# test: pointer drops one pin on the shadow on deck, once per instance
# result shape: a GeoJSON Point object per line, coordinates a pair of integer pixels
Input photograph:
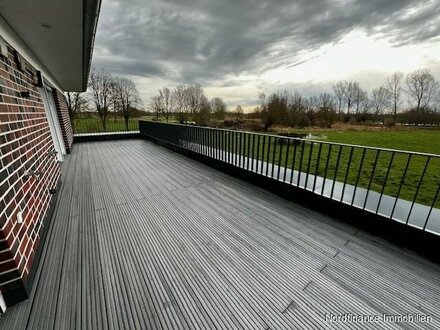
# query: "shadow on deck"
{"type": "Point", "coordinates": [145, 238]}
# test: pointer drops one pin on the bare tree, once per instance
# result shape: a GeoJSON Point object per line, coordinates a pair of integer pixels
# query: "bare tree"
{"type": "Point", "coordinates": [75, 103]}
{"type": "Point", "coordinates": [114, 99]}
{"type": "Point", "coordinates": [339, 91]}
{"type": "Point", "coordinates": [128, 97]}
{"type": "Point", "coordinates": [195, 98]}
{"type": "Point", "coordinates": [326, 113]}
{"type": "Point", "coordinates": [394, 86]}
{"type": "Point", "coordinates": [100, 89]}
{"type": "Point", "coordinates": [188, 100]}
{"type": "Point", "coordinates": [238, 112]}
{"type": "Point", "coordinates": [297, 109]}
{"type": "Point", "coordinates": [156, 106]}
{"type": "Point", "coordinates": [351, 90]}
{"type": "Point", "coordinates": [421, 87]}
{"type": "Point", "coordinates": [203, 114]}
{"type": "Point", "coordinates": [360, 96]}
{"type": "Point", "coordinates": [219, 108]}
{"type": "Point", "coordinates": [380, 100]}
{"type": "Point", "coordinates": [166, 101]}
{"type": "Point", "coordinates": [179, 102]}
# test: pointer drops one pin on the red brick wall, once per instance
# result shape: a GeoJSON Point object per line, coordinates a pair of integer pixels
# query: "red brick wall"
{"type": "Point", "coordinates": [25, 141]}
{"type": "Point", "coordinates": [64, 119]}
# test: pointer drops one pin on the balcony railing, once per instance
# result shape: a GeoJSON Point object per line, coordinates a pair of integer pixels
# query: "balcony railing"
{"type": "Point", "coordinates": [400, 185]}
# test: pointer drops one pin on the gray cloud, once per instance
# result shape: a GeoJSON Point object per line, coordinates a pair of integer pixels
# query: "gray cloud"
{"type": "Point", "coordinates": [206, 41]}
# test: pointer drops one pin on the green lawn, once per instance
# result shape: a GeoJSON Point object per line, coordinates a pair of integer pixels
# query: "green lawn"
{"type": "Point", "coordinates": [94, 125]}
{"type": "Point", "coordinates": [427, 140]}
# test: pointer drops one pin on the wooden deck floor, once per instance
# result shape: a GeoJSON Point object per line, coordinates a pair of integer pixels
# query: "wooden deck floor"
{"type": "Point", "coordinates": [145, 238]}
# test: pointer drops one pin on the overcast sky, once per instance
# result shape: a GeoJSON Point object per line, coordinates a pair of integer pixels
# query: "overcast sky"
{"type": "Point", "coordinates": [238, 48]}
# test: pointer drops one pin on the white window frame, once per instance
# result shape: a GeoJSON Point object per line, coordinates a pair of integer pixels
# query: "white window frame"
{"type": "Point", "coordinates": [52, 118]}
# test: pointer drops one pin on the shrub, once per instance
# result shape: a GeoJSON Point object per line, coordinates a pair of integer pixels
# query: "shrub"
{"type": "Point", "coordinates": [254, 125]}
{"type": "Point", "coordinates": [389, 122]}
{"type": "Point", "coordinates": [233, 123]}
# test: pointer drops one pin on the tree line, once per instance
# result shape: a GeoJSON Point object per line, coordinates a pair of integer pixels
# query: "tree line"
{"type": "Point", "coordinates": [105, 94]}
{"type": "Point", "coordinates": [187, 103]}
{"type": "Point", "coordinates": [350, 102]}
{"type": "Point", "coordinates": [410, 99]}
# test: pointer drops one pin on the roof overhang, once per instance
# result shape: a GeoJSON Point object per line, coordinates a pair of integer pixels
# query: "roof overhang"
{"type": "Point", "coordinates": [59, 33]}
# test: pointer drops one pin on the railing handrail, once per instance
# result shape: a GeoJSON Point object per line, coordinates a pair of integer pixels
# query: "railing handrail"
{"type": "Point", "coordinates": [307, 140]}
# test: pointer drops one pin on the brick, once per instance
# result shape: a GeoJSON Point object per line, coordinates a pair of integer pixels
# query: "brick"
{"type": "Point", "coordinates": [24, 141]}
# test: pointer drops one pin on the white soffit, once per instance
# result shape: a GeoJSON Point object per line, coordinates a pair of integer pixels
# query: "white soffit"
{"type": "Point", "coordinates": [53, 31]}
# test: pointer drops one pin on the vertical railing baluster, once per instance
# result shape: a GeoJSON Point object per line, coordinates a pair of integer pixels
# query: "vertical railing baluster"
{"type": "Point", "coordinates": [350, 157]}
{"type": "Point", "coordinates": [258, 154]}
{"type": "Point", "coordinates": [268, 155]}
{"type": "Point", "coordinates": [308, 164]}
{"type": "Point", "coordinates": [295, 143]}
{"type": "Point", "coordinates": [432, 207]}
{"type": "Point", "coordinates": [199, 132]}
{"type": "Point", "coordinates": [317, 166]}
{"type": "Point", "coordinates": [361, 164]}
{"type": "Point", "coordinates": [220, 136]}
{"type": "Point", "coordinates": [236, 148]}
{"type": "Point", "coordinates": [253, 152]}
{"type": "Point", "coordinates": [195, 139]}
{"type": "Point", "coordinates": [196, 144]}
{"type": "Point", "coordinates": [211, 133]}
{"type": "Point", "coordinates": [335, 176]}
{"type": "Point", "coordinates": [286, 162]}
{"type": "Point", "coordinates": [326, 168]}
{"type": "Point", "coordinates": [401, 184]}
{"type": "Point", "coordinates": [418, 188]}
{"type": "Point", "coordinates": [203, 142]}
{"type": "Point", "coordinates": [371, 179]}
{"type": "Point", "coordinates": [192, 139]}
{"type": "Point", "coordinates": [262, 154]}
{"type": "Point", "coordinates": [237, 151]}
{"type": "Point", "coordinates": [219, 157]}
{"type": "Point", "coordinates": [273, 156]}
{"type": "Point", "coordinates": [248, 140]}
{"type": "Point", "coordinates": [385, 181]}
{"type": "Point", "coordinates": [300, 162]}
{"type": "Point", "coordinates": [241, 150]}
{"type": "Point", "coordinates": [279, 161]}
{"type": "Point", "coordinates": [217, 144]}
{"type": "Point", "coordinates": [213, 140]}
{"type": "Point", "coordinates": [229, 146]}
{"type": "Point", "coordinates": [225, 145]}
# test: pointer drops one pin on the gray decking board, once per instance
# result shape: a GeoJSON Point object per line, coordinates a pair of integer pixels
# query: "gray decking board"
{"type": "Point", "coordinates": [145, 238]}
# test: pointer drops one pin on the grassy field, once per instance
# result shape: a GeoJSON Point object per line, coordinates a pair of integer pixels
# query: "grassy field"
{"type": "Point", "coordinates": [312, 157]}
{"type": "Point", "coordinates": [94, 125]}
{"type": "Point", "coordinates": [419, 140]}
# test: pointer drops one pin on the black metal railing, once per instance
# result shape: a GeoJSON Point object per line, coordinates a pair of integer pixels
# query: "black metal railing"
{"type": "Point", "coordinates": [396, 184]}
